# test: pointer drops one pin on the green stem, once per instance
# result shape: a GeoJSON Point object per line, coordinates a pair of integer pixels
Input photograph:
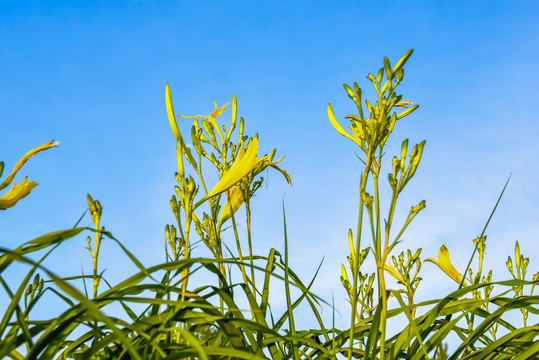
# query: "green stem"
{"type": "Point", "coordinates": [355, 270]}
{"type": "Point", "coordinates": [248, 215]}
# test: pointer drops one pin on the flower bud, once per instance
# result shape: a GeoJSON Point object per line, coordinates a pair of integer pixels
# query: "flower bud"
{"type": "Point", "coordinates": [191, 186]}
{"type": "Point", "coordinates": [419, 207]}
{"type": "Point", "coordinates": [167, 232]}
{"type": "Point", "coordinates": [392, 181]}
{"type": "Point", "coordinates": [367, 199]}
{"type": "Point", "coordinates": [404, 150]}
{"type": "Point", "coordinates": [174, 204]}
{"type": "Point", "coordinates": [509, 265]}
{"type": "Point", "coordinates": [91, 204]}
{"type": "Point", "coordinates": [98, 207]}
{"type": "Point", "coordinates": [242, 126]}
{"type": "Point", "coordinates": [350, 92]}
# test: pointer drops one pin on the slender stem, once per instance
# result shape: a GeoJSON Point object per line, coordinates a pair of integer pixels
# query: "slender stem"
{"type": "Point", "coordinates": [355, 270]}
{"type": "Point", "coordinates": [238, 245]}
{"type": "Point", "coordinates": [248, 215]}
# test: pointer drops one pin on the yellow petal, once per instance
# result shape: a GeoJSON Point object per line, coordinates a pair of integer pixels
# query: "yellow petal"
{"type": "Point", "coordinates": [243, 165]}
{"type": "Point", "coordinates": [170, 113]}
{"type": "Point", "coordinates": [403, 103]}
{"type": "Point", "coordinates": [235, 201]}
{"type": "Point", "coordinates": [444, 263]}
{"type": "Point", "coordinates": [285, 174]}
{"type": "Point", "coordinates": [336, 124]}
{"type": "Point", "coordinates": [391, 270]}
{"type": "Point", "coordinates": [218, 111]}
{"type": "Point", "coordinates": [16, 193]}
{"type": "Point", "coordinates": [24, 159]}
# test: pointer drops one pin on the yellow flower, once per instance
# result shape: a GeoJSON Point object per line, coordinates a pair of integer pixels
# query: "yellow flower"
{"type": "Point", "coordinates": [391, 270]}
{"type": "Point", "coordinates": [24, 159]}
{"type": "Point", "coordinates": [444, 263]}
{"type": "Point", "coordinates": [16, 193]}
{"type": "Point", "coordinates": [243, 165]}
{"type": "Point", "coordinates": [218, 111]}
{"type": "Point", "coordinates": [234, 200]}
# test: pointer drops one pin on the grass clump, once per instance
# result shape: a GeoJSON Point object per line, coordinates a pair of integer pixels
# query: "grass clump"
{"type": "Point", "coordinates": [168, 316]}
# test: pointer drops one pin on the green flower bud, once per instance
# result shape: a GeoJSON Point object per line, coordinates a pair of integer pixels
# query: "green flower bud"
{"type": "Point", "coordinates": [167, 232]}
{"type": "Point", "coordinates": [367, 199]}
{"type": "Point", "coordinates": [392, 181]}
{"type": "Point", "coordinates": [509, 265]}
{"type": "Point", "coordinates": [91, 204]}
{"type": "Point", "coordinates": [242, 126]}
{"type": "Point", "coordinates": [379, 76]}
{"type": "Point", "coordinates": [350, 92]}
{"type": "Point", "coordinates": [404, 150]}
{"type": "Point", "coordinates": [387, 68]}
{"type": "Point", "coordinates": [418, 207]}
{"type": "Point", "coordinates": [98, 207]}
{"type": "Point", "coordinates": [174, 204]}
{"type": "Point", "coordinates": [191, 186]}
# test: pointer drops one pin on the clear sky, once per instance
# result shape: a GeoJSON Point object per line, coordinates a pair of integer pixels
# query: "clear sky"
{"type": "Point", "coordinates": [92, 74]}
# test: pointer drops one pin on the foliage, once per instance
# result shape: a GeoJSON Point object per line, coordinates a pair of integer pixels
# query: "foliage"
{"type": "Point", "coordinates": [167, 317]}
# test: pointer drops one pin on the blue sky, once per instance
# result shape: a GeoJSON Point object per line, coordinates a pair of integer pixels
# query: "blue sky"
{"type": "Point", "coordinates": [92, 75]}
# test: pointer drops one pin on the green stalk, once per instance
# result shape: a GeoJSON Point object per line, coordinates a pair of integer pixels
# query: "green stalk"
{"type": "Point", "coordinates": [380, 260]}
{"type": "Point", "coordinates": [287, 290]}
{"type": "Point", "coordinates": [248, 215]}
{"type": "Point", "coordinates": [238, 245]}
{"type": "Point", "coordinates": [357, 249]}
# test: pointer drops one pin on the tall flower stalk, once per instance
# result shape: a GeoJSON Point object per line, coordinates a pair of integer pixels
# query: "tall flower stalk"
{"type": "Point", "coordinates": [370, 130]}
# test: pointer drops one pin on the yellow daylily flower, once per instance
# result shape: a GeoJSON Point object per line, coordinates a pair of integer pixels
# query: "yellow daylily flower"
{"type": "Point", "coordinates": [235, 200]}
{"type": "Point", "coordinates": [393, 272]}
{"type": "Point", "coordinates": [16, 193]}
{"type": "Point", "coordinates": [218, 111]}
{"type": "Point", "coordinates": [24, 159]}
{"type": "Point", "coordinates": [243, 165]}
{"type": "Point", "coordinates": [444, 263]}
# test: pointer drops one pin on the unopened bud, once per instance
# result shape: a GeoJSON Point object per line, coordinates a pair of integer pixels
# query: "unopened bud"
{"type": "Point", "coordinates": [91, 204]}
{"type": "Point", "coordinates": [392, 181]}
{"type": "Point", "coordinates": [174, 204]}
{"type": "Point", "coordinates": [509, 265]}
{"type": "Point", "coordinates": [404, 150]}
{"type": "Point", "coordinates": [40, 288]}
{"type": "Point", "coordinates": [191, 186]}
{"type": "Point", "coordinates": [419, 207]}
{"type": "Point", "coordinates": [350, 92]}
{"type": "Point", "coordinates": [242, 125]}
{"type": "Point", "coordinates": [98, 207]}
{"type": "Point", "coordinates": [367, 199]}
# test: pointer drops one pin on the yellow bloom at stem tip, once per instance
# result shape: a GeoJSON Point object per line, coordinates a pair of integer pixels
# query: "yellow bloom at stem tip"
{"type": "Point", "coordinates": [16, 193]}
{"type": "Point", "coordinates": [444, 263]}
{"type": "Point", "coordinates": [243, 165]}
